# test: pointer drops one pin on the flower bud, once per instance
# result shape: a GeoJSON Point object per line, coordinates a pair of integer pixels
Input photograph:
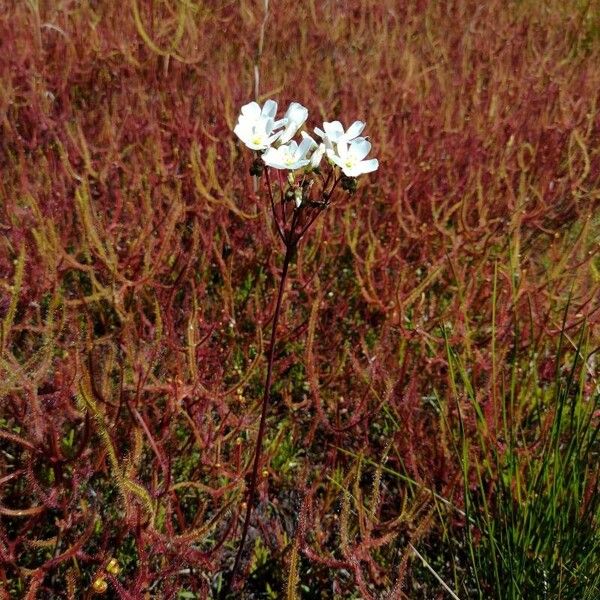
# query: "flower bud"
{"type": "Point", "coordinates": [348, 184]}
{"type": "Point", "coordinates": [257, 167]}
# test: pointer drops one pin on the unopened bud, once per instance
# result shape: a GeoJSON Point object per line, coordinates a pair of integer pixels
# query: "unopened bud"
{"type": "Point", "coordinates": [348, 184]}
{"type": "Point", "coordinates": [257, 167]}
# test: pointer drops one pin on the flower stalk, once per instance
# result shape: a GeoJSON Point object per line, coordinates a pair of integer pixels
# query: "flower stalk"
{"type": "Point", "coordinates": [263, 414]}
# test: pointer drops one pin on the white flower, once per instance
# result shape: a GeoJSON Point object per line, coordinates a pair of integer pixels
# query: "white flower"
{"type": "Point", "coordinates": [258, 136]}
{"type": "Point", "coordinates": [334, 132]}
{"type": "Point", "coordinates": [295, 116]}
{"type": "Point", "coordinates": [255, 126]}
{"type": "Point", "coordinates": [350, 159]}
{"type": "Point", "coordinates": [288, 156]}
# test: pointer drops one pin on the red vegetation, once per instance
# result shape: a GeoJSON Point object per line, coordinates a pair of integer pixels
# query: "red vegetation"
{"type": "Point", "coordinates": [138, 274]}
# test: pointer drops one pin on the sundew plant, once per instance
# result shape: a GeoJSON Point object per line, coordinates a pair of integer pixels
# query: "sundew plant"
{"type": "Point", "coordinates": [244, 354]}
{"type": "Point", "coordinates": [312, 173]}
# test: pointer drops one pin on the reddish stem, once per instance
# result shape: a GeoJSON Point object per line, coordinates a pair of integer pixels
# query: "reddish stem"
{"type": "Point", "coordinates": [263, 417]}
{"type": "Point", "coordinates": [279, 231]}
{"type": "Point", "coordinates": [290, 238]}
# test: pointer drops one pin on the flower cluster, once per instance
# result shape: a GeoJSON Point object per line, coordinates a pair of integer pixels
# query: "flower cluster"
{"type": "Point", "coordinates": [260, 130]}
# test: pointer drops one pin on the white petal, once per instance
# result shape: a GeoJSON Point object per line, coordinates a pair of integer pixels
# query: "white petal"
{"type": "Point", "coordinates": [296, 115]}
{"type": "Point", "coordinates": [320, 132]}
{"type": "Point", "coordinates": [307, 136]}
{"type": "Point", "coordinates": [269, 109]}
{"type": "Point", "coordinates": [274, 137]}
{"type": "Point", "coordinates": [299, 164]}
{"type": "Point", "coordinates": [297, 112]}
{"type": "Point", "coordinates": [305, 145]}
{"type": "Point", "coordinates": [247, 120]}
{"type": "Point", "coordinates": [241, 129]}
{"type": "Point", "coordinates": [244, 133]}
{"type": "Point", "coordinates": [335, 159]}
{"type": "Point", "coordinates": [270, 154]}
{"type": "Point", "coordinates": [368, 166]}
{"type": "Point", "coordinates": [331, 153]}
{"type": "Point", "coordinates": [251, 111]}
{"type": "Point", "coordinates": [317, 155]}
{"type": "Point", "coordinates": [290, 131]}
{"type": "Point", "coordinates": [354, 130]}
{"type": "Point", "coordinates": [359, 148]}
{"type": "Point", "coordinates": [334, 130]}
{"type": "Point", "coordinates": [342, 149]}
{"type": "Point", "coordinates": [272, 158]}
{"type": "Point", "coordinates": [265, 124]}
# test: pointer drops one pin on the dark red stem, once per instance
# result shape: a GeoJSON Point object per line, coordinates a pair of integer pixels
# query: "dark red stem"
{"type": "Point", "coordinates": [263, 418]}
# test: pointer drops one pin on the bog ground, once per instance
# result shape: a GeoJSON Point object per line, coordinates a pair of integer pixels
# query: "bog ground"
{"type": "Point", "coordinates": [433, 427]}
